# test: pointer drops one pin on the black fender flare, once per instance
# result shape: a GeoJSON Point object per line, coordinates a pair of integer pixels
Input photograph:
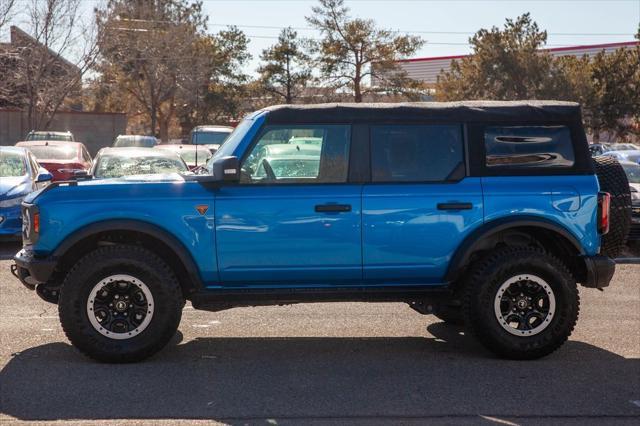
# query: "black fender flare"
{"type": "Point", "coordinates": [141, 227]}
{"type": "Point", "coordinates": [489, 229]}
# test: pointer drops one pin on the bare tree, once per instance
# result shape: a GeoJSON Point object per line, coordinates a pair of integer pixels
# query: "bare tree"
{"type": "Point", "coordinates": [148, 46]}
{"type": "Point", "coordinates": [47, 63]}
{"type": "Point", "coordinates": [6, 11]}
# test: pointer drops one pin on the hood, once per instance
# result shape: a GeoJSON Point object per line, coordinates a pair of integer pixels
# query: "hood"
{"type": "Point", "coordinates": [13, 186]}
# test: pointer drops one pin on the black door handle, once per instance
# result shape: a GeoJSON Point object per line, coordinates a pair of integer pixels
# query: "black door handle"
{"type": "Point", "coordinates": [333, 208]}
{"type": "Point", "coordinates": [455, 206]}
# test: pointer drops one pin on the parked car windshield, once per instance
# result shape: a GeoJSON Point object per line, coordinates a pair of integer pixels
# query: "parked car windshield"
{"type": "Point", "coordinates": [12, 164]}
{"type": "Point", "coordinates": [209, 137]}
{"type": "Point", "coordinates": [54, 152]}
{"type": "Point", "coordinates": [189, 156]}
{"type": "Point", "coordinates": [123, 164]}
{"type": "Point", "coordinates": [633, 172]}
{"type": "Point", "coordinates": [623, 147]}
{"type": "Point", "coordinates": [135, 141]}
{"type": "Point", "coordinates": [47, 136]}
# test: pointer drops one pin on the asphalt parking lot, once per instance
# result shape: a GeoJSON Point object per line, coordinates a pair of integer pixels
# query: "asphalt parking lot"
{"type": "Point", "coordinates": [324, 363]}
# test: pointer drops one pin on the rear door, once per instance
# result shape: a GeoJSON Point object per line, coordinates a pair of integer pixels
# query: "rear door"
{"type": "Point", "coordinates": [420, 204]}
{"type": "Point", "coordinates": [294, 219]}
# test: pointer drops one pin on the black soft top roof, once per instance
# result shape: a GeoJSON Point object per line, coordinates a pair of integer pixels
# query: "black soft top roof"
{"type": "Point", "coordinates": [468, 111]}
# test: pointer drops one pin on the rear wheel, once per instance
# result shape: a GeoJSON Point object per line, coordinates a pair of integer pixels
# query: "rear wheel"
{"type": "Point", "coordinates": [613, 179]}
{"type": "Point", "coordinates": [120, 304]}
{"type": "Point", "coordinates": [520, 302]}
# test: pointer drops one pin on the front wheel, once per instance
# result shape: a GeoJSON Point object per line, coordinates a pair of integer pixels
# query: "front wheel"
{"type": "Point", "coordinates": [120, 304]}
{"type": "Point", "coordinates": [521, 302]}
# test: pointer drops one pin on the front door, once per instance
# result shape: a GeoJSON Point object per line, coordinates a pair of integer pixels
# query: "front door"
{"type": "Point", "coordinates": [293, 219]}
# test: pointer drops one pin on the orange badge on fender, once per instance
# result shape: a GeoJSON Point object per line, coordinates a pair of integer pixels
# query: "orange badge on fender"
{"type": "Point", "coordinates": [202, 208]}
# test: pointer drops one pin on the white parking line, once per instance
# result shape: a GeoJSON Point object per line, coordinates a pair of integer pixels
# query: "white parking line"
{"type": "Point", "coordinates": [635, 402]}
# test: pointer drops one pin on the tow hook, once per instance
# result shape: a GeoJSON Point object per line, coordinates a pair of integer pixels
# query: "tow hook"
{"type": "Point", "coordinates": [48, 294]}
{"type": "Point", "coordinates": [23, 276]}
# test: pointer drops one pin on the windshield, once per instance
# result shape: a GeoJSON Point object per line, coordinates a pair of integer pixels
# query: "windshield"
{"type": "Point", "coordinates": [12, 164]}
{"type": "Point", "coordinates": [234, 138]}
{"type": "Point", "coordinates": [209, 137]}
{"type": "Point", "coordinates": [633, 172]}
{"type": "Point", "coordinates": [135, 141]}
{"type": "Point", "coordinates": [54, 152]}
{"type": "Point", "coordinates": [112, 166]}
{"type": "Point", "coordinates": [46, 136]}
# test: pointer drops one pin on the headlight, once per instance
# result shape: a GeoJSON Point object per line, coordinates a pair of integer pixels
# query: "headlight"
{"type": "Point", "coordinates": [12, 202]}
{"type": "Point", "coordinates": [30, 223]}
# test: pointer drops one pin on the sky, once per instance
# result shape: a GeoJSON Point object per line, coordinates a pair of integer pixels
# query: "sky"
{"type": "Point", "coordinates": [446, 25]}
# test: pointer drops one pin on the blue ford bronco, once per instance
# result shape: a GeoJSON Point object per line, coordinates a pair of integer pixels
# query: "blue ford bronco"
{"type": "Point", "coordinates": [485, 214]}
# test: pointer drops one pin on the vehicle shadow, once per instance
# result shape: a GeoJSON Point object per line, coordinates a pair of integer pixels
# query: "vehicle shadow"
{"type": "Point", "coordinates": [8, 249]}
{"type": "Point", "coordinates": [239, 380]}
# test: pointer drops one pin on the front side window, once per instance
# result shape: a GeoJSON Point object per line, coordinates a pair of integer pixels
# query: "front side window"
{"type": "Point", "coordinates": [299, 154]}
{"type": "Point", "coordinates": [528, 146]}
{"type": "Point", "coordinates": [416, 153]}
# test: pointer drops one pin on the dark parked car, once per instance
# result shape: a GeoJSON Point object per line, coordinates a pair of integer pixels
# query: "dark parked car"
{"type": "Point", "coordinates": [20, 174]}
{"type": "Point", "coordinates": [211, 136]}
{"type": "Point", "coordinates": [194, 155]}
{"type": "Point", "coordinates": [486, 214]}
{"type": "Point", "coordinates": [139, 141]}
{"type": "Point", "coordinates": [64, 160]}
{"type": "Point", "coordinates": [120, 162]}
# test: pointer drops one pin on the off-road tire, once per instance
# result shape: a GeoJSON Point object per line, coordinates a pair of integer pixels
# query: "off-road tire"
{"type": "Point", "coordinates": [481, 289]}
{"type": "Point", "coordinates": [120, 259]}
{"type": "Point", "coordinates": [613, 180]}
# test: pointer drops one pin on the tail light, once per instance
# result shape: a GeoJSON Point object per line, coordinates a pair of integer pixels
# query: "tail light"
{"type": "Point", "coordinates": [604, 206]}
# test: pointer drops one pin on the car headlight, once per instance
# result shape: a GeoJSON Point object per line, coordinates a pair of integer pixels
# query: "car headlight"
{"type": "Point", "coordinates": [12, 202]}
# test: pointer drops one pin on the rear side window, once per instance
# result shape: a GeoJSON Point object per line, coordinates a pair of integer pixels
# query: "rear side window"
{"type": "Point", "coordinates": [413, 153]}
{"type": "Point", "coordinates": [528, 147]}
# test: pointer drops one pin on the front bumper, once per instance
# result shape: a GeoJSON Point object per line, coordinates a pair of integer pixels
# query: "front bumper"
{"type": "Point", "coordinates": [39, 269]}
{"type": "Point", "coordinates": [600, 270]}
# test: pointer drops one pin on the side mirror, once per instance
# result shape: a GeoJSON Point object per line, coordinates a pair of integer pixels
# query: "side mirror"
{"type": "Point", "coordinates": [226, 169]}
{"type": "Point", "coordinates": [44, 176]}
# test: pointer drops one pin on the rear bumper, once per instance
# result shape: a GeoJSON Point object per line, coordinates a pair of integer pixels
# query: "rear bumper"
{"type": "Point", "coordinates": [39, 269]}
{"type": "Point", "coordinates": [634, 232]}
{"type": "Point", "coordinates": [600, 270]}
